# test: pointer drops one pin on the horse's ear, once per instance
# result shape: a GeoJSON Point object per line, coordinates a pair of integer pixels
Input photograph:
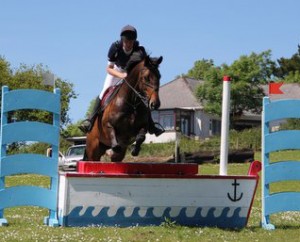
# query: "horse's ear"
{"type": "Point", "coordinates": [147, 60]}
{"type": "Point", "coordinates": [159, 60]}
{"type": "Point", "coordinates": [156, 61]}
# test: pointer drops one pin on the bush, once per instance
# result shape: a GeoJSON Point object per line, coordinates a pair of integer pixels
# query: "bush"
{"type": "Point", "coordinates": [246, 139]}
{"type": "Point", "coordinates": [238, 140]}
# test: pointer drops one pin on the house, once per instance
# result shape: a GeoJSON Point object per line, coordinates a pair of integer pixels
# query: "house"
{"type": "Point", "coordinates": [181, 111]}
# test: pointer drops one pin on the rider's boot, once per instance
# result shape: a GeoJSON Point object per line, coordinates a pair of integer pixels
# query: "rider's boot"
{"type": "Point", "coordinates": [152, 129]}
{"type": "Point", "coordinates": [87, 124]}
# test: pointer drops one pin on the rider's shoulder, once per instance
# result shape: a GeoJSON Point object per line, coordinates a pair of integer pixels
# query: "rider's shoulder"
{"type": "Point", "coordinates": [116, 45]}
{"type": "Point", "coordinates": [137, 46]}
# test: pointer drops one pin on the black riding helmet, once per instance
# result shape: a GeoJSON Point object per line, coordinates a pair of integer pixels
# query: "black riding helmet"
{"type": "Point", "coordinates": [128, 32]}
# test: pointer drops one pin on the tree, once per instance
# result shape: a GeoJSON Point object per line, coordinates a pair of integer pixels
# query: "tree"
{"type": "Point", "coordinates": [5, 71]}
{"type": "Point", "coordinates": [26, 77]}
{"type": "Point", "coordinates": [72, 130]}
{"type": "Point", "coordinates": [91, 107]}
{"type": "Point", "coordinates": [288, 69]}
{"type": "Point", "coordinates": [201, 67]}
{"type": "Point", "coordinates": [247, 74]}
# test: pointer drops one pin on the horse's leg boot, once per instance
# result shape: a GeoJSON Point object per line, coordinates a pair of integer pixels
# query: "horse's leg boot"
{"type": "Point", "coordinates": [135, 150]}
{"type": "Point", "coordinates": [140, 138]}
{"type": "Point", "coordinates": [117, 148]}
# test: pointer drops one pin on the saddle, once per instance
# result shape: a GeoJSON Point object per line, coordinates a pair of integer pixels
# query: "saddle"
{"type": "Point", "coordinates": [109, 95]}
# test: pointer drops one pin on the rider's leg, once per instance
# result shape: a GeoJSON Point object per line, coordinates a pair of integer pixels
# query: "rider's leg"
{"type": "Point", "coordinates": [87, 125]}
{"type": "Point", "coordinates": [109, 81]}
{"type": "Point", "coordinates": [152, 129]}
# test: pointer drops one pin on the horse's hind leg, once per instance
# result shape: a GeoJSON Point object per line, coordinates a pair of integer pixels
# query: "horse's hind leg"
{"type": "Point", "coordinates": [140, 138]}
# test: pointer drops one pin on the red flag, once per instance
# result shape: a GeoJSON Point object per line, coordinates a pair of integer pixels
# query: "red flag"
{"type": "Point", "coordinates": [274, 87]}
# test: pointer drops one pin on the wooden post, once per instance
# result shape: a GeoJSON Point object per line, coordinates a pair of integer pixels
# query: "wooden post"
{"type": "Point", "coordinates": [177, 145]}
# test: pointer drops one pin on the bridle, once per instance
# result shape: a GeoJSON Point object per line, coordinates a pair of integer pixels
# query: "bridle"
{"type": "Point", "coordinates": [144, 99]}
{"type": "Point", "coordinates": [138, 94]}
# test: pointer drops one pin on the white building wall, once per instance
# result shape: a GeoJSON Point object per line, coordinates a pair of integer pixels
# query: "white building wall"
{"type": "Point", "coordinates": [166, 137]}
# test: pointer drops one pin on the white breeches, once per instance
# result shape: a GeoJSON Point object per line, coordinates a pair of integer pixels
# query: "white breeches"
{"type": "Point", "coordinates": [110, 81]}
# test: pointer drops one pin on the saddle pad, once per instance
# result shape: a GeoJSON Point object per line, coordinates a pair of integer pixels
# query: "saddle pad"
{"type": "Point", "coordinates": [109, 94]}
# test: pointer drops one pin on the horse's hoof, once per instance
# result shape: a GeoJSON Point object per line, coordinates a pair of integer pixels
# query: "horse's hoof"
{"type": "Point", "coordinates": [135, 150]}
{"type": "Point", "coordinates": [117, 149]}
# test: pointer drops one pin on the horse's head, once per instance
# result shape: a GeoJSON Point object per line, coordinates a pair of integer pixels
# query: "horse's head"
{"type": "Point", "coordinates": [149, 81]}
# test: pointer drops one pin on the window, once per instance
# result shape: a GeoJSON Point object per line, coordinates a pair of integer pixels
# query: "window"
{"type": "Point", "coordinates": [167, 121]}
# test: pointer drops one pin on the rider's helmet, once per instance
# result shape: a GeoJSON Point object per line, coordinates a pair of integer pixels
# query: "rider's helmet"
{"type": "Point", "coordinates": [128, 32]}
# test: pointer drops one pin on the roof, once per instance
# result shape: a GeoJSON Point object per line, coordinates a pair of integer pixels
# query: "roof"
{"type": "Point", "coordinates": [179, 93]}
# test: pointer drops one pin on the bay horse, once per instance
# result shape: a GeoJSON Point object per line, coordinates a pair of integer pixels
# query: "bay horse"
{"type": "Point", "coordinates": [125, 118]}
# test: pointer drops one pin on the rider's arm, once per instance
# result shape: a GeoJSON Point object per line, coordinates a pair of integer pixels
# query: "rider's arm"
{"type": "Point", "coordinates": [110, 69]}
{"type": "Point", "coordinates": [112, 57]}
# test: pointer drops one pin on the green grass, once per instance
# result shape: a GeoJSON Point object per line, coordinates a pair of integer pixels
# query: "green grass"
{"type": "Point", "coordinates": [26, 223]}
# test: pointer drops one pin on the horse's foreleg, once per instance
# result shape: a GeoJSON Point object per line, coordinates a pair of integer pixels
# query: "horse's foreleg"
{"type": "Point", "coordinates": [94, 150]}
{"type": "Point", "coordinates": [140, 138]}
{"type": "Point", "coordinates": [115, 146]}
{"type": "Point", "coordinates": [118, 157]}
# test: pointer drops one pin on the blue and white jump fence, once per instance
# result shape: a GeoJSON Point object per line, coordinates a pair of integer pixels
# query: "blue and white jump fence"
{"type": "Point", "coordinates": [24, 195]}
{"type": "Point", "coordinates": [119, 194]}
{"type": "Point", "coordinates": [286, 170]}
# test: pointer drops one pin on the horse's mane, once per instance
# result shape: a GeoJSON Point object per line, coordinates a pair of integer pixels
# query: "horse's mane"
{"type": "Point", "coordinates": [130, 68]}
{"type": "Point", "coordinates": [146, 60]}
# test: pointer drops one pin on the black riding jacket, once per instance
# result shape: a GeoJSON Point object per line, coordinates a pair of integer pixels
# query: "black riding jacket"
{"type": "Point", "coordinates": [117, 55]}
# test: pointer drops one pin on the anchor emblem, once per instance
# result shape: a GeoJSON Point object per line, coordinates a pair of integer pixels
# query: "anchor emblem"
{"type": "Point", "coordinates": [235, 198]}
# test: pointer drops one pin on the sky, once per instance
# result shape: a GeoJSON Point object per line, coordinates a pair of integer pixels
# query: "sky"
{"type": "Point", "coordinates": [72, 37]}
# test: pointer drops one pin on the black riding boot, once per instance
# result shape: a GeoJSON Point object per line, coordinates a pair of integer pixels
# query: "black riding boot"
{"type": "Point", "coordinates": [87, 125]}
{"type": "Point", "coordinates": [152, 129]}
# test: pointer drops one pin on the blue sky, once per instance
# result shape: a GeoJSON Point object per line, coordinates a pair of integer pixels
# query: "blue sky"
{"type": "Point", "coordinates": [72, 37]}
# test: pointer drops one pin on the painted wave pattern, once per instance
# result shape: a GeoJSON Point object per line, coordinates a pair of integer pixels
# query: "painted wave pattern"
{"type": "Point", "coordinates": [225, 217]}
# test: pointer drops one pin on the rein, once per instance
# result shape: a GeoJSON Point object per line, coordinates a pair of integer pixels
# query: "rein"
{"type": "Point", "coordinates": [143, 99]}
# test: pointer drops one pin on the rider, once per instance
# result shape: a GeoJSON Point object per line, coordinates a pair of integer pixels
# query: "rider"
{"type": "Point", "coordinates": [120, 56]}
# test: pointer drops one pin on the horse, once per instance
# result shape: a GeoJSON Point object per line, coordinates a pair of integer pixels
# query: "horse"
{"type": "Point", "coordinates": [125, 119]}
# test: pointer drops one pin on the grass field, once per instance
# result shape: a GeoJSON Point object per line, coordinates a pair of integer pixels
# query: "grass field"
{"type": "Point", "coordinates": [26, 223]}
